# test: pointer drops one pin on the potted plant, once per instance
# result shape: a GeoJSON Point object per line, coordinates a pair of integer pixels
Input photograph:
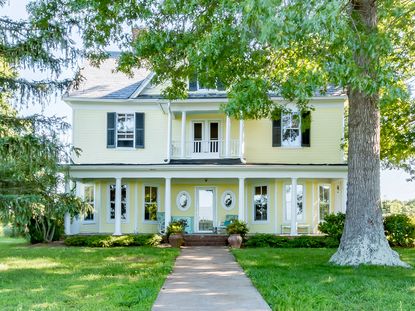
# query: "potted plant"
{"type": "Point", "coordinates": [237, 231]}
{"type": "Point", "coordinates": [175, 232]}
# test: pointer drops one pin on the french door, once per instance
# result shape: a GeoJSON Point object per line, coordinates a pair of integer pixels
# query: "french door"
{"type": "Point", "coordinates": [205, 138]}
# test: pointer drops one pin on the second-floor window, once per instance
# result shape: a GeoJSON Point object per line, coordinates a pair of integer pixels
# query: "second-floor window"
{"type": "Point", "coordinates": [291, 129]}
{"type": "Point", "coordinates": [125, 130]}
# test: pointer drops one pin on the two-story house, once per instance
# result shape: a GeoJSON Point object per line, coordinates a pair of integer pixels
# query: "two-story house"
{"type": "Point", "coordinates": [146, 161]}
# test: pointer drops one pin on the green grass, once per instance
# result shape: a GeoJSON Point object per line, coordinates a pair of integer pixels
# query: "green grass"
{"type": "Point", "coordinates": [301, 279]}
{"type": "Point", "coordinates": [76, 278]}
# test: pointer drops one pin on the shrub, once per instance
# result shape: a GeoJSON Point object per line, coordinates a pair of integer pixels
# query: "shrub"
{"type": "Point", "coordinates": [270, 240]}
{"type": "Point", "coordinates": [333, 225]}
{"type": "Point", "coordinates": [238, 227]}
{"type": "Point", "coordinates": [399, 230]}
{"type": "Point", "coordinates": [112, 241]}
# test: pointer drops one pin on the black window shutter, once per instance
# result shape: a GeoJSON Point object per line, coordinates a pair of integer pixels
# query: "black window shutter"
{"type": "Point", "coordinates": [111, 124]}
{"type": "Point", "coordinates": [139, 130]}
{"type": "Point", "coordinates": [305, 128]}
{"type": "Point", "coordinates": [193, 82]}
{"type": "Point", "coordinates": [276, 131]}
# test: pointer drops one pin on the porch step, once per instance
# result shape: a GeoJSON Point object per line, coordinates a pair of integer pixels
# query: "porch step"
{"type": "Point", "coordinates": [205, 240]}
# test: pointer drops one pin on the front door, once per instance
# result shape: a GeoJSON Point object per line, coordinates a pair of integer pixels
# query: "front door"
{"type": "Point", "coordinates": [205, 209]}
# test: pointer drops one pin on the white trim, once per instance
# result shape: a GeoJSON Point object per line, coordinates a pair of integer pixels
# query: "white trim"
{"type": "Point", "coordinates": [222, 199]}
{"type": "Point", "coordinates": [260, 222]}
{"type": "Point", "coordinates": [284, 202]}
{"type": "Point", "coordinates": [143, 85]}
{"type": "Point", "coordinates": [312, 207]}
{"type": "Point", "coordinates": [154, 185]}
{"type": "Point", "coordinates": [99, 204]}
{"type": "Point", "coordinates": [214, 208]}
{"type": "Point", "coordinates": [189, 201]}
{"type": "Point", "coordinates": [318, 201]}
{"type": "Point", "coordinates": [127, 204]}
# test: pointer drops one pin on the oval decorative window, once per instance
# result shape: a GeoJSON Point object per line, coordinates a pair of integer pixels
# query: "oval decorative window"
{"type": "Point", "coordinates": [183, 200]}
{"type": "Point", "coordinates": [228, 200]}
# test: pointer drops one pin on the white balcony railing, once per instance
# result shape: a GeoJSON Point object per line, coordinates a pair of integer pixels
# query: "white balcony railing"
{"type": "Point", "coordinates": [205, 149]}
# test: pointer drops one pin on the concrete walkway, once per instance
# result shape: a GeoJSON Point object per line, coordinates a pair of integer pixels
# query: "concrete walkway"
{"type": "Point", "coordinates": [208, 278]}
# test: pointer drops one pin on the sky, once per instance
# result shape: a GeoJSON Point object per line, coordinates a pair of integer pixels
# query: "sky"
{"type": "Point", "coordinates": [394, 184]}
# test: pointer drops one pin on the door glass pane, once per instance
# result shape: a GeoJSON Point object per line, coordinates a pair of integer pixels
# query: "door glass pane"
{"type": "Point", "coordinates": [214, 131]}
{"type": "Point", "coordinates": [197, 132]}
{"type": "Point", "coordinates": [205, 204]}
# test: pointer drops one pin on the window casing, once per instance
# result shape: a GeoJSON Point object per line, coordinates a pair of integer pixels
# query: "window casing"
{"type": "Point", "coordinates": [112, 203]}
{"type": "Point", "coordinates": [89, 197]}
{"type": "Point", "coordinates": [261, 203]}
{"type": "Point", "coordinates": [323, 201]}
{"type": "Point", "coordinates": [150, 203]}
{"type": "Point", "coordinates": [300, 202]}
{"type": "Point", "coordinates": [125, 130]}
{"type": "Point", "coordinates": [291, 129]}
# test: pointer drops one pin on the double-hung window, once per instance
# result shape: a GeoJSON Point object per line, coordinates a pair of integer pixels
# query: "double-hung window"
{"type": "Point", "coordinates": [261, 203]}
{"type": "Point", "coordinates": [300, 202]}
{"type": "Point", "coordinates": [150, 203]}
{"type": "Point", "coordinates": [123, 202]}
{"type": "Point", "coordinates": [290, 129]}
{"type": "Point", "coordinates": [89, 197]}
{"type": "Point", "coordinates": [125, 130]}
{"type": "Point", "coordinates": [323, 201]}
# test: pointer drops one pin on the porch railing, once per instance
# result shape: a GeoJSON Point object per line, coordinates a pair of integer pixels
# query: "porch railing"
{"type": "Point", "coordinates": [205, 149]}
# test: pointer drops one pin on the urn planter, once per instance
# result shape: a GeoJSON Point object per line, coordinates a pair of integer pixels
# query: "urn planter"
{"type": "Point", "coordinates": [235, 240]}
{"type": "Point", "coordinates": [176, 240]}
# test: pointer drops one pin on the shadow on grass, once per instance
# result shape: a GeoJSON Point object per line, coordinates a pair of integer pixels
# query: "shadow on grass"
{"type": "Point", "coordinates": [81, 278]}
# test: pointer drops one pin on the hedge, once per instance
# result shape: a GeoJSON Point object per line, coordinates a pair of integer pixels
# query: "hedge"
{"type": "Point", "coordinates": [270, 240]}
{"type": "Point", "coordinates": [112, 241]}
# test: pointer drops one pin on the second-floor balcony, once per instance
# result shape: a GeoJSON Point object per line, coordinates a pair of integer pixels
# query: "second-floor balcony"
{"type": "Point", "coordinates": [206, 149]}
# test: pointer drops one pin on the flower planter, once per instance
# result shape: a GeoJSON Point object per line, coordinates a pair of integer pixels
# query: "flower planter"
{"type": "Point", "coordinates": [235, 240]}
{"type": "Point", "coordinates": [176, 240]}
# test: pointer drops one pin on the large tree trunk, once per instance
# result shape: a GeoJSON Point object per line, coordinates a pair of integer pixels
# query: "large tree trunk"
{"type": "Point", "coordinates": [363, 240]}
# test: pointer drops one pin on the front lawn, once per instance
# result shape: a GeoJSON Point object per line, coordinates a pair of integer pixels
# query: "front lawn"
{"type": "Point", "coordinates": [301, 279]}
{"type": "Point", "coordinates": [78, 278]}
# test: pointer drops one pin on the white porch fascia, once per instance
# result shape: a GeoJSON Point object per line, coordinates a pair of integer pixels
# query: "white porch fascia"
{"type": "Point", "coordinates": [208, 171]}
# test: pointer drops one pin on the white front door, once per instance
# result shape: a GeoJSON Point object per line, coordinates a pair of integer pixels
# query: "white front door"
{"type": "Point", "coordinates": [205, 209]}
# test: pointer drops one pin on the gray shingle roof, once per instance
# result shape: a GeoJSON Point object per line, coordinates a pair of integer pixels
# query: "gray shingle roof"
{"type": "Point", "coordinates": [104, 83]}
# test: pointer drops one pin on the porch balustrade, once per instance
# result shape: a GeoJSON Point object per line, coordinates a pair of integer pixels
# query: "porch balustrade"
{"type": "Point", "coordinates": [196, 149]}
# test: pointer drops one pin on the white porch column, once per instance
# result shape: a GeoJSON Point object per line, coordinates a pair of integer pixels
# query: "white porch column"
{"type": "Point", "coordinates": [183, 141]}
{"type": "Point", "coordinates": [228, 136]}
{"type": "Point", "coordinates": [169, 134]}
{"type": "Point", "coordinates": [241, 138]}
{"type": "Point", "coordinates": [241, 199]}
{"type": "Point", "coordinates": [293, 206]}
{"type": "Point", "coordinates": [344, 195]}
{"type": "Point", "coordinates": [117, 230]}
{"type": "Point", "coordinates": [167, 200]}
{"type": "Point", "coordinates": [67, 224]}
{"type": "Point", "coordinates": [67, 217]}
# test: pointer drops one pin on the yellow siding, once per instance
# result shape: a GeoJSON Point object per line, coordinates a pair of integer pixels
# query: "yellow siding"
{"type": "Point", "coordinates": [90, 134]}
{"type": "Point", "coordinates": [326, 135]}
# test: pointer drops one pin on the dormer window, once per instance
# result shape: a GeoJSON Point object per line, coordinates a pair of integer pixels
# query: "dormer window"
{"type": "Point", "coordinates": [196, 85]}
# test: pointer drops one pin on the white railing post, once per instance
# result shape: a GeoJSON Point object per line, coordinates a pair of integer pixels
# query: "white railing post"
{"type": "Point", "coordinates": [169, 146]}
{"type": "Point", "coordinates": [293, 206]}
{"type": "Point", "coordinates": [117, 226]}
{"type": "Point", "coordinates": [227, 136]}
{"type": "Point", "coordinates": [241, 138]}
{"type": "Point", "coordinates": [183, 137]}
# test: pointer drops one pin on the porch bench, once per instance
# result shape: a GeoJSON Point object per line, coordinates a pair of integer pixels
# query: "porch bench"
{"type": "Point", "coordinates": [304, 227]}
